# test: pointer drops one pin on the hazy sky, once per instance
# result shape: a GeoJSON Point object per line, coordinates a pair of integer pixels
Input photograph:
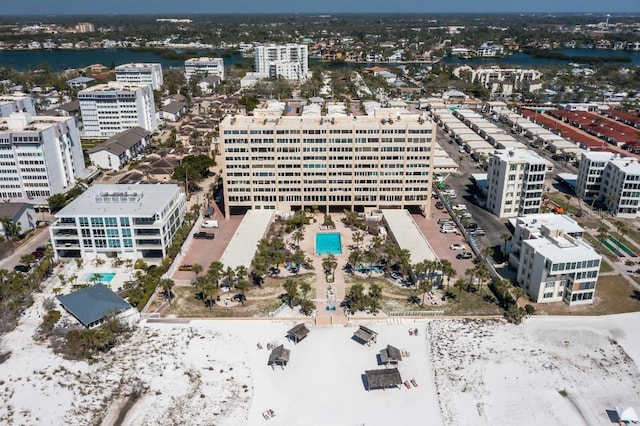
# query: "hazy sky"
{"type": "Point", "coordinates": [66, 7]}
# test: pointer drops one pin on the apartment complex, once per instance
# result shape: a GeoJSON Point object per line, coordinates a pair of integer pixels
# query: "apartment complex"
{"type": "Point", "coordinates": [39, 156]}
{"type": "Point", "coordinates": [147, 73]}
{"type": "Point", "coordinates": [289, 61]}
{"type": "Point", "coordinates": [17, 102]}
{"type": "Point", "coordinates": [204, 67]}
{"type": "Point", "coordinates": [119, 150]}
{"type": "Point", "coordinates": [506, 80]}
{"type": "Point", "coordinates": [125, 221]}
{"type": "Point", "coordinates": [611, 179]}
{"type": "Point", "coordinates": [108, 109]}
{"type": "Point", "coordinates": [339, 162]}
{"type": "Point", "coordinates": [515, 181]}
{"type": "Point", "coordinates": [554, 263]}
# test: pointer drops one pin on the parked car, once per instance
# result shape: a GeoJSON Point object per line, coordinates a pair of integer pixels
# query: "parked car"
{"type": "Point", "coordinates": [464, 255]}
{"type": "Point", "coordinates": [41, 249]}
{"type": "Point", "coordinates": [439, 205]}
{"type": "Point", "coordinates": [479, 232]}
{"type": "Point", "coordinates": [184, 267]}
{"type": "Point", "coordinates": [395, 276]}
{"type": "Point", "coordinates": [204, 235]}
{"type": "Point", "coordinates": [448, 230]}
{"type": "Point", "coordinates": [456, 247]}
{"type": "Point", "coordinates": [37, 254]}
{"type": "Point", "coordinates": [444, 220]}
{"type": "Point", "coordinates": [466, 215]}
{"type": "Point", "coordinates": [210, 224]}
{"type": "Point", "coordinates": [471, 226]}
{"type": "Point", "coordinates": [459, 207]}
{"type": "Point", "coordinates": [21, 268]}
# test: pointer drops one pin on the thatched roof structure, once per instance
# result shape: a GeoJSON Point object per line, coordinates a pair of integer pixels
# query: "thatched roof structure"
{"type": "Point", "coordinates": [390, 355]}
{"type": "Point", "coordinates": [382, 379]}
{"type": "Point", "coordinates": [298, 332]}
{"type": "Point", "coordinates": [279, 355]}
{"type": "Point", "coordinates": [365, 335]}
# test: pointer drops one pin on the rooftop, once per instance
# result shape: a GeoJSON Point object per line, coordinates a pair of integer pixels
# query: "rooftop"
{"type": "Point", "coordinates": [550, 221]}
{"type": "Point", "coordinates": [136, 66]}
{"type": "Point", "coordinates": [11, 210]}
{"type": "Point", "coordinates": [519, 155]}
{"type": "Point", "coordinates": [383, 378]}
{"type": "Point", "coordinates": [92, 304]}
{"type": "Point", "coordinates": [408, 235]}
{"type": "Point", "coordinates": [20, 122]}
{"type": "Point", "coordinates": [203, 59]}
{"type": "Point", "coordinates": [120, 143]}
{"type": "Point", "coordinates": [562, 249]}
{"type": "Point", "coordinates": [244, 242]}
{"type": "Point", "coordinates": [121, 200]}
{"type": "Point", "coordinates": [113, 86]}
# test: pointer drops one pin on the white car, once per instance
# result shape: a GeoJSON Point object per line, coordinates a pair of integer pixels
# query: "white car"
{"type": "Point", "coordinates": [457, 247]}
{"type": "Point", "coordinates": [459, 207]}
{"type": "Point", "coordinates": [210, 224]}
{"type": "Point", "coordinates": [448, 230]}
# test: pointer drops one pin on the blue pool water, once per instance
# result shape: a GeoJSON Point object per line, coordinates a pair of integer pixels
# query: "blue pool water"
{"type": "Point", "coordinates": [105, 277]}
{"type": "Point", "coordinates": [328, 243]}
{"type": "Point", "coordinates": [374, 268]}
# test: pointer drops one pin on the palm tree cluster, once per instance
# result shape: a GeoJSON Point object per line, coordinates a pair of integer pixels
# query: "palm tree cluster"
{"type": "Point", "coordinates": [218, 276]}
{"type": "Point", "coordinates": [274, 252]}
{"type": "Point", "coordinates": [425, 272]}
{"type": "Point", "coordinates": [297, 293]}
{"type": "Point", "coordinates": [378, 253]}
{"type": "Point", "coordinates": [357, 300]}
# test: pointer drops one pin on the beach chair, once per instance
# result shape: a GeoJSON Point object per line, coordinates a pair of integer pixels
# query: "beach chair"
{"type": "Point", "coordinates": [407, 384]}
{"type": "Point", "coordinates": [414, 383]}
{"type": "Point", "coordinates": [266, 414]}
{"type": "Point", "coordinates": [272, 413]}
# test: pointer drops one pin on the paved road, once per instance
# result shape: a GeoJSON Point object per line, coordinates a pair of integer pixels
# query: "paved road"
{"type": "Point", "coordinates": [40, 237]}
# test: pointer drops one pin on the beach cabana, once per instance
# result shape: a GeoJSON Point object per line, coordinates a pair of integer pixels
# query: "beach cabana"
{"type": "Point", "coordinates": [365, 335]}
{"type": "Point", "coordinates": [279, 356]}
{"type": "Point", "coordinates": [627, 415]}
{"type": "Point", "coordinates": [383, 379]}
{"type": "Point", "coordinates": [390, 355]}
{"type": "Point", "coordinates": [297, 333]}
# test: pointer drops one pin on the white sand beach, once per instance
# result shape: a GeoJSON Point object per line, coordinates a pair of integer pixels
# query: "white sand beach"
{"type": "Point", "coordinates": [212, 373]}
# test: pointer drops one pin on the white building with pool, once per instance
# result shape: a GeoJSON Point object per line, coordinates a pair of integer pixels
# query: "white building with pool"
{"type": "Point", "coordinates": [125, 221]}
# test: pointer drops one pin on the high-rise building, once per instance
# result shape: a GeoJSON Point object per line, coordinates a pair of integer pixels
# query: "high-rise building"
{"type": "Point", "coordinates": [39, 156]}
{"type": "Point", "coordinates": [289, 61]}
{"type": "Point", "coordinates": [108, 109]}
{"type": "Point", "coordinates": [612, 180]}
{"type": "Point", "coordinates": [16, 102]}
{"type": "Point", "coordinates": [515, 181]}
{"type": "Point", "coordinates": [334, 162]}
{"type": "Point", "coordinates": [125, 221]}
{"type": "Point", "coordinates": [140, 73]}
{"type": "Point", "coordinates": [204, 67]}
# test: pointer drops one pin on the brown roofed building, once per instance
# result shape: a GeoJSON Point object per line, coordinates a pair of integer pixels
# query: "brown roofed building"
{"type": "Point", "coordinates": [390, 355]}
{"type": "Point", "coordinates": [120, 149]}
{"type": "Point", "coordinates": [365, 335]}
{"type": "Point", "coordinates": [297, 333]}
{"type": "Point", "coordinates": [279, 356]}
{"type": "Point", "coordinates": [383, 379]}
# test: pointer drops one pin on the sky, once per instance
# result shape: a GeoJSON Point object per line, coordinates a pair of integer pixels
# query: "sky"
{"type": "Point", "coordinates": [177, 7]}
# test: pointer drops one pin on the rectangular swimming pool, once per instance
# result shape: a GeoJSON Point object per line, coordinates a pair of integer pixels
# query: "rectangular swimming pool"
{"type": "Point", "coordinates": [328, 243]}
{"type": "Point", "coordinates": [104, 277]}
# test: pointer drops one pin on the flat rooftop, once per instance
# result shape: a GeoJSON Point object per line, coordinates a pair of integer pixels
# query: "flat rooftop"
{"type": "Point", "coordinates": [521, 155]}
{"type": "Point", "coordinates": [550, 221]}
{"type": "Point", "coordinates": [244, 243]}
{"type": "Point", "coordinates": [19, 122]}
{"type": "Point", "coordinates": [113, 86]}
{"type": "Point", "coordinates": [138, 65]}
{"type": "Point", "coordinates": [408, 236]}
{"type": "Point", "coordinates": [270, 118]}
{"type": "Point", "coordinates": [563, 249]}
{"type": "Point", "coordinates": [121, 200]}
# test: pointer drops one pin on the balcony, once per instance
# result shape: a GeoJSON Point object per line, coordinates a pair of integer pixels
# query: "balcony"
{"type": "Point", "coordinates": [65, 233]}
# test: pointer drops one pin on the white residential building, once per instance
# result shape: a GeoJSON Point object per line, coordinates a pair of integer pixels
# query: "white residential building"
{"type": "Point", "coordinates": [120, 149]}
{"type": "Point", "coordinates": [204, 67]}
{"type": "Point", "coordinates": [496, 78]}
{"type": "Point", "coordinates": [125, 221]}
{"type": "Point", "coordinates": [554, 266]}
{"type": "Point", "coordinates": [17, 102]}
{"type": "Point", "coordinates": [39, 156]}
{"type": "Point", "coordinates": [515, 180]}
{"type": "Point", "coordinates": [340, 162]}
{"type": "Point", "coordinates": [611, 179]}
{"type": "Point", "coordinates": [145, 73]}
{"type": "Point", "coordinates": [289, 61]}
{"type": "Point", "coordinates": [108, 109]}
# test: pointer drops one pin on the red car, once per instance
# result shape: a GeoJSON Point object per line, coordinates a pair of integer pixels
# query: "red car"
{"type": "Point", "coordinates": [37, 254]}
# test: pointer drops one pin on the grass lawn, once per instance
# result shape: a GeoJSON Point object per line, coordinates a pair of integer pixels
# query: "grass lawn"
{"type": "Point", "coordinates": [614, 295]}
{"type": "Point", "coordinates": [605, 267]}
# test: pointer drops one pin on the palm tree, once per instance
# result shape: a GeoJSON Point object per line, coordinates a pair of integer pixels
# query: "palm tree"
{"type": "Point", "coordinates": [460, 284]}
{"type": "Point", "coordinates": [506, 237]}
{"type": "Point", "coordinates": [208, 291]}
{"type": "Point", "coordinates": [621, 228]}
{"type": "Point", "coordinates": [603, 233]}
{"type": "Point", "coordinates": [371, 258]}
{"type": "Point", "coordinates": [242, 285]}
{"type": "Point", "coordinates": [196, 268]}
{"type": "Point", "coordinates": [355, 257]}
{"type": "Point", "coordinates": [358, 238]}
{"type": "Point", "coordinates": [305, 288]}
{"type": "Point", "coordinates": [330, 263]}
{"type": "Point", "coordinates": [167, 284]}
{"type": "Point", "coordinates": [298, 236]}
{"type": "Point", "coordinates": [374, 296]}
{"type": "Point", "coordinates": [291, 291]}
{"type": "Point", "coordinates": [229, 275]}
{"type": "Point", "coordinates": [487, 252]}
{"type": "Point", "coordinates": [215, 272]}
{"type": "Point", "coordinates": [375, 244]}
{"type": "Point", "coordinates": [482, 273]}
{"type": "Point", "coordinates": [447, 270]}
{"type": "Point", "coordinates": [404, 257]}
{"type": "Point", "coordinates": [241, 271]}
{"type": "Point", "coordinates": [471, 273]}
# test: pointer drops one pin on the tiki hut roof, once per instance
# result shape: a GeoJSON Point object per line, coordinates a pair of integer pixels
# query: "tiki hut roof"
{"type": "Point", "coordinates": [365, 334]}
{"type": "Point", "coordinates": [380, 379]}
{"type": "Point", "coordinates": [279, 355]}
{"type": "Point", "coordinates": [298, 332]}
{"type": "Point", "coordinates": [390, 355]}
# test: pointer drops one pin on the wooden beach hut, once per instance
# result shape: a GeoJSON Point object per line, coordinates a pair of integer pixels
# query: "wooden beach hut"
{"type": "Point", "coordinates": [390, 355]}
{"type": "Point", "coordinates": [365, 335]}
{"type": "Point", "coordinates": [383, 379]}
{"type": "Point", "coordinates": [279, 356]}
{"type": "Point", "coordinates": [297, 333]}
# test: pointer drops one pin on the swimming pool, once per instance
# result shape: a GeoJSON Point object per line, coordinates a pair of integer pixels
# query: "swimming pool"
{"type": "Point", "coordinates": [105, 277]}
{"type": "Point", "coordinates": [328, 243]}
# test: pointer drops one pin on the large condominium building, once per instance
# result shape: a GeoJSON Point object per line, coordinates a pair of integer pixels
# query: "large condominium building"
{"type": "Point", "coordinates": [39, 156]}
{"type": "Point", "coordinates": [140, 73]}
{"type": "Point", "coordinates": [289, 61]}
{"type": "Point", "coordinates": [515, 181]}
{"type": "Point", "coordinates": [611, 179]}
{"type": "Point", "coordinates": [17, 102]}
{"type": "Point", "coordinates": [108, 109]}
{"type": "Point", "coordinates": [340, 162]}
{"type": "Point", "coordinates": [507, 79]}
{"type": "Point", "coordinates": [125, 221]}
{"type": "Point", "coordinates": [204, 67]}
{"type": "Point", "coordinates": [554, 263]}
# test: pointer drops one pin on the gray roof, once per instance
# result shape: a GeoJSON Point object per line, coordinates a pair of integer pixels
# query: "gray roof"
{"type": "Point", "coordinates": [279, 355]}
{"type": "Point", "coordinates": [173, 107]}
{"type": "Point", "coordinates": [70, 106]}
{"type": "Point", "coordinates": [125, 200]}
{"type": "Point", "coordinates": [81, 80]}
{"type": "Point", "coordinates": [385, 378]}
{"type": "Point", "coordinates": [120, 143]}
{"type": "Point", "coordinates": [390, 355]}
{"type": "Point", "coordinates": [299, 332]}
{"type": "Point", "coordinates": [13, 211]}
{"type": "Point", "coordinates": [365, 334]}
{"type": "Point", "coordinates": [92, 304]}
{"type": "Point", "coordinates": [211, 79]}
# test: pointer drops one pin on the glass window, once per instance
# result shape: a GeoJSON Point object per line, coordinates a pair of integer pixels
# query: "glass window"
{"type": "Point", "coordinates": [124, 221]}
{"type": "Point", "coordinates": [128, 242]}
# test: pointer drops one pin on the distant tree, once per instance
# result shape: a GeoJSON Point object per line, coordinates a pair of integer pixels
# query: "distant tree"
{"type": "Point", "coordinates": [291, 291]}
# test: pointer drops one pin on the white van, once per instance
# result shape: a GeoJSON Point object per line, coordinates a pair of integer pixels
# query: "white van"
{"type": "Point", "coordinates": [210, 224]}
